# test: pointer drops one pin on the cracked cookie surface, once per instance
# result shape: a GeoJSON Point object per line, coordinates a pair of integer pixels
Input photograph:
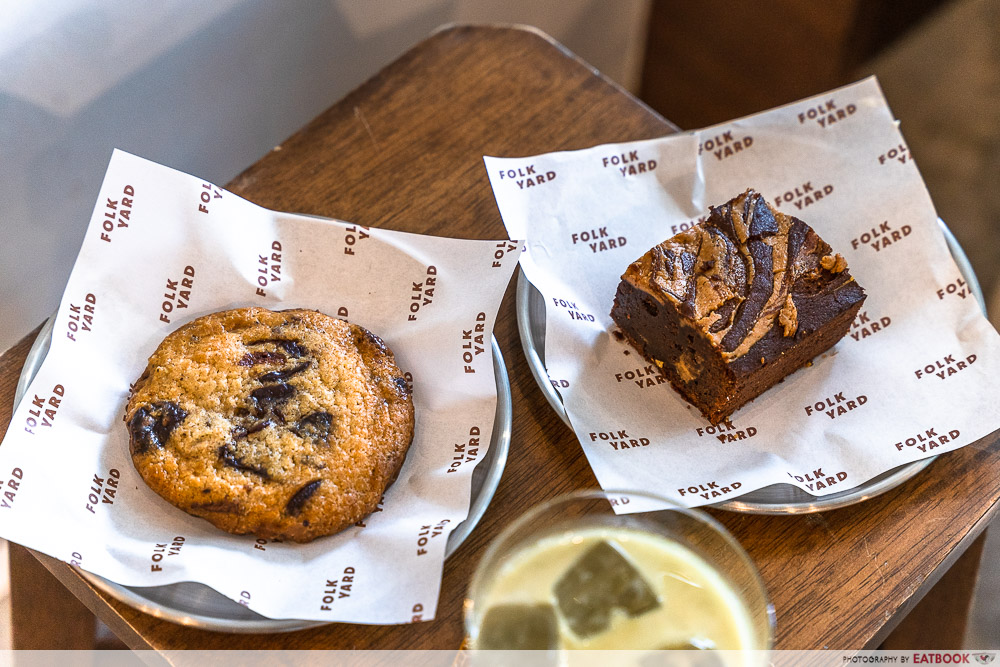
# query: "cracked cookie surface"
{"type": "Point", "coordinates": [283, 425]}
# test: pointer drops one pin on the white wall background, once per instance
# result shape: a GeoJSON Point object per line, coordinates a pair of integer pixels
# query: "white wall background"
{"type": "Point", "coordinates": [207, 88]}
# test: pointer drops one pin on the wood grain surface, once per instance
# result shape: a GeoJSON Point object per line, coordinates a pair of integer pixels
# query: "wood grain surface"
{"type": "Point", "coordinates": [404, 151]}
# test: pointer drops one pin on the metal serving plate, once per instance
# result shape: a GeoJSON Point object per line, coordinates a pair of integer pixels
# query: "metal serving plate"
{"type": "Point", "coordinates": [775, 499]}
{"type": "Point", "coordinates": [197, 605]}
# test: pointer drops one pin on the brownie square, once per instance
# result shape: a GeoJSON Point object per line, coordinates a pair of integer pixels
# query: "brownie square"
{"type": "Point", "coordinates": [731, 306]}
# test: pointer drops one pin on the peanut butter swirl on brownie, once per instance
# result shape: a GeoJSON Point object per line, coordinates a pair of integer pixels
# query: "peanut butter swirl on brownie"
{"type": "Point", "coordinates": [285, 425]}
{"type": "Point", "coordinates": [749, 282]}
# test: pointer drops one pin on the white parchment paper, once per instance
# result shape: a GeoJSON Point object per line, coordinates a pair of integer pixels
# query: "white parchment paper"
{"type": "Point", "coordinates": [915, 377]}
{"type": "Point", "coordinates": [164, 248]}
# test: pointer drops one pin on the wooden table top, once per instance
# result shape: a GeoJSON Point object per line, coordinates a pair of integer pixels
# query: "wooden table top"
{"type": "Point", "coordinates": [404, 151]}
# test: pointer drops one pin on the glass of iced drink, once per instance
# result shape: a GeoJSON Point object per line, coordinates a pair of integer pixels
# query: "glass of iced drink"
{"type": "Point", "coordinates": [574, 574]}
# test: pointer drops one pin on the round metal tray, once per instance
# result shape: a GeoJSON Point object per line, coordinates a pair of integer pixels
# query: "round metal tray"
{"type": "Point", "coordinates": [198, 605]}
{"type": "Point", "coordinates": [774, 499]}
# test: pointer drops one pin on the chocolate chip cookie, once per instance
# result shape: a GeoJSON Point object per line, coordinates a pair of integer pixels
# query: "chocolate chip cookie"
{"type": "Point", "coordinates": [284, 425]}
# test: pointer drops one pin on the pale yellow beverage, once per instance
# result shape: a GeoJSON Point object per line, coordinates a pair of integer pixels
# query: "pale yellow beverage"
{"type": "Point", "coordinates": [694, 607]}
{"type": "Point", "coordinates": [576, 573]}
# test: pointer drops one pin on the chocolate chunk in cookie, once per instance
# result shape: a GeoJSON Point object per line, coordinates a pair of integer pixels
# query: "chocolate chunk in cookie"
{"type": "Point", "coordinates": [282, 375]}
{"type": "Point", "coordinates": [151, 425]}
{"type": "Point", "coordinates": [295, 503]}
{"type": "Point", "coordinates": [315, 426]}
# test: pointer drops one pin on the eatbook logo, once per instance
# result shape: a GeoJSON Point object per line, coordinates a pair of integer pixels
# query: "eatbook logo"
{"type": "Point", "coordinates": [984, 658]}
